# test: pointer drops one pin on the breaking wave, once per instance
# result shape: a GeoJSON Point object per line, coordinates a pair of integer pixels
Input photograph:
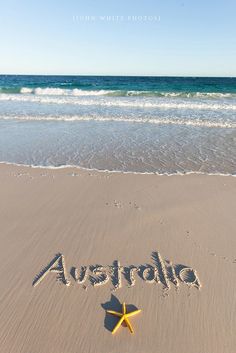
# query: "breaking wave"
{"type": "Point", "coordinates": [120, 102]}
{"type": "Point", "coordinates": [123, 93]}
{"type": "Point", "coordinates": [58, 91]}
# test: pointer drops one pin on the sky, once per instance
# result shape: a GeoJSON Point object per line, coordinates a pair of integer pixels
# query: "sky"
{"type": "Point", "coordinates": [144, 37]}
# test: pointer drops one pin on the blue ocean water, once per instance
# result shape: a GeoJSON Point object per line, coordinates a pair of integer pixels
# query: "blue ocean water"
{"type": "Point", "coordinates": [136, 124]}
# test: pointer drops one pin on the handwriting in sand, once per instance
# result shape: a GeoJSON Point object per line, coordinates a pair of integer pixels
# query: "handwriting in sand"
{"type": "Point", "coordinates": [160, 271]}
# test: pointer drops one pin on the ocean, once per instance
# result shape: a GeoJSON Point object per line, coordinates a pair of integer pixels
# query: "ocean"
{"type": "Point", "coordinates": [163, 125]}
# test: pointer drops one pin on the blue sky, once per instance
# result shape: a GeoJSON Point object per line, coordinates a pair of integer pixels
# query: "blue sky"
{"type": "Point", "coordinates": [53, 37]}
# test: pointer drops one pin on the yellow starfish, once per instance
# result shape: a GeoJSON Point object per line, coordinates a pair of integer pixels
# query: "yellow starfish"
{"type": "Point", "coordinates": [124, 316]}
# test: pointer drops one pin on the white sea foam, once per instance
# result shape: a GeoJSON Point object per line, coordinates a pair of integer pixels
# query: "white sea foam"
{"type": "Point", "coordinates": [50, 91]}
{"type": "Point", "coordinates": [53, 91]}
{"type": "Point", "coordinates": [214, 95]}
{"type": "Point", "coordinates": [26, 90]}
{"type": "Point", "coordinates": [80, 92]}
{"type": "Point", "coordinates": [70, 166]}
{"type": "Point", "coordinates": [153, 120]}
{"type": "Point", "coordinates": [119, 102]}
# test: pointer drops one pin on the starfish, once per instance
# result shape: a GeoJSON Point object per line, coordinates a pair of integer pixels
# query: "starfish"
{"type": "Point", "coordinates": [124, 316]}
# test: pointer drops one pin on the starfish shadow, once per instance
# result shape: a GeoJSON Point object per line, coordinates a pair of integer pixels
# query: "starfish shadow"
{"type": "Point", "coordinates": [114, 304]}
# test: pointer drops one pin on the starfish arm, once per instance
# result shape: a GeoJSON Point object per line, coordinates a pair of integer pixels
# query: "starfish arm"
{"type": "Point", "coordinates": [124, 308]}
{"type": "Point", "coordinates": [118, 325]}
{"type": "Point", "coordinates": [114, 313]}
{"type": "Point", "coordinates": [129, 325]}
{"type": "Point", "coordinates": [133, 313]}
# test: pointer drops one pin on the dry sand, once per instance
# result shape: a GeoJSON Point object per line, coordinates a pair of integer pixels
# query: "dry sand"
{"type": "Point", "coordinates": [96, 218]}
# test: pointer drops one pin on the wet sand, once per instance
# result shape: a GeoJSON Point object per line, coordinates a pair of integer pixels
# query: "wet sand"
{"type": "Point", "coordinates": [165, 245]}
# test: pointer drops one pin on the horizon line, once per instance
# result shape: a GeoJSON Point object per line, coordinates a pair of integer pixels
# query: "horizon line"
{"type": "Point", "coordinates": [111, 75]}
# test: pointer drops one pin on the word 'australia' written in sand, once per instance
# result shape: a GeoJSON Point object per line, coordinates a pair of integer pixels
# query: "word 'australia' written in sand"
{"type": "Point", "coordinates": [159, 271]}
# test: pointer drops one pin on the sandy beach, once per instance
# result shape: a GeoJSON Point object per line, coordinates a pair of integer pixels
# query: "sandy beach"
{"type": "Point", "coordinates": [81, 219]}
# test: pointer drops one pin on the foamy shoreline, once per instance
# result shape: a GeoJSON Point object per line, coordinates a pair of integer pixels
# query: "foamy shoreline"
{"type": "Point", "coordinates": [80, 168]}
